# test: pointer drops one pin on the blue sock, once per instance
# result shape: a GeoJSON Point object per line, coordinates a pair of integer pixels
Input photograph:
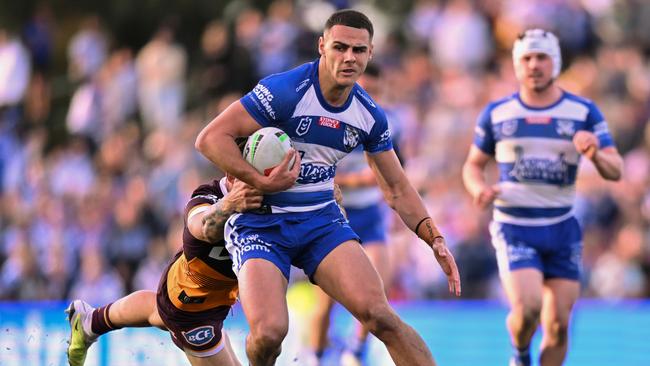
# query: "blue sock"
{"type": "Point", "coordinates": [521, 355]}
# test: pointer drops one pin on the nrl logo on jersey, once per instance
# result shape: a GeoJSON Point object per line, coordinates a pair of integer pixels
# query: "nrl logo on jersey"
{"type": "Point", "coordinates": [508, 128]}
{"type": "Point", "coordinates": [565, 127]}
{"type": "Point", "coordinates": [350, 138]}
{"type": "Point", "coordinates": [303, 126]}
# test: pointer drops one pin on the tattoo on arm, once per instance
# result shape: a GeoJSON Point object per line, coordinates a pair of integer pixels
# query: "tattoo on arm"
{"type": "Point", "coordinates": [430, 233]}
{"type": "Point", "coordinates": [213, 223]}
{"type": "Point", "coordinates": [429, 229]}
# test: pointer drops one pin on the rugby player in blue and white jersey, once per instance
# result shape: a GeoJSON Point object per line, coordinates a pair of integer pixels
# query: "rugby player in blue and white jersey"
{"type": "Point", "coordinates": [537, 137]}
{"type": "Point", "coordinates": [327, 115]}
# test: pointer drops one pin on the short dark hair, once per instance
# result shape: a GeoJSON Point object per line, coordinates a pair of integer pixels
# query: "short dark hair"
{"type": "Point", "coordinates": [350, 18]}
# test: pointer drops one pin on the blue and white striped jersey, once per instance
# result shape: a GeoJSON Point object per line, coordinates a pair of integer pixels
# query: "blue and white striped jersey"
{"type": "Point", "coordinates": [356, 162]}
{"type": "Point", "coordinates": [323, 134]}
{"type": "Point", "coordinates": [536, 158]}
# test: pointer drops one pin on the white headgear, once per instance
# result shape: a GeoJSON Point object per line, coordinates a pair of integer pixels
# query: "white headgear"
{"type": "Point", "coordinates": [538, 40]}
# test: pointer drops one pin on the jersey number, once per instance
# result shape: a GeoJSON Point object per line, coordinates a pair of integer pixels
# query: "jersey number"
{"type": "Point", "coordinates": [218, 254]}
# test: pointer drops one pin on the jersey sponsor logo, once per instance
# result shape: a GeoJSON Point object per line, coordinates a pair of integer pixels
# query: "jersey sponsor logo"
{"type": "Point", "coordinates": [350, 138]}
{"type": "Point", "coordinates": [265, 97]}
{"type": "Point", "coordinates": [508, 128]}
{"type": "Point", "coordinates": [252, 242]}
{"type": "Point", "coordinates": [302, 84]}
{"type": "Point", "coordinates": [303, 126]}
{"type": "Point", "coordinates": [329, 122]}
{"type": "Point", "coordinates": [538, 120]}
{"type": "Point", "coordinates": [310, 173]}
{"type": "Point", "coordinates": [366, 98]}
{"type": "Point", "coordinates": [565, 127]}
{"type": "Point", "coordinates": [539, 169]}
{"type": "Point", "coordinates": [199, 336]}
{"type": "Point", "coordinates": [518, 253]}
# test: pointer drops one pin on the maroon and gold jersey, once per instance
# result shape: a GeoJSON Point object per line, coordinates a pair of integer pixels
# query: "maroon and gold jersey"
{"type": "Point", "coordinates": [201, 277]}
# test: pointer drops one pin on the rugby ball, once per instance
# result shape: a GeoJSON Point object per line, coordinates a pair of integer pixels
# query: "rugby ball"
{"type": "Point", "coordinates": [266, 148]}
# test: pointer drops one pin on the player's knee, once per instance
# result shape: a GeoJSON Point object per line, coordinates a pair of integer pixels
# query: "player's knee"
{"type": "Point", "coordinates": [557, 332]}
{"type": "Point", "coordinates": [379, 319]}
{"type": "Point", "coordinates": [528, 313]}
{"type": "Point", "coordinates": [269, 335]}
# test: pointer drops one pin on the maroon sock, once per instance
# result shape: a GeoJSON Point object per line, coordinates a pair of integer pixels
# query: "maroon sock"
{"type": "Point", "coordinates": [100, 322]}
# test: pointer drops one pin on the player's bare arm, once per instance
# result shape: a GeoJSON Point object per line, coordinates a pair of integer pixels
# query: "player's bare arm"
{"type": "Point", "coordinates": [474, 178]}
{"type": "Point", "coordinates": [217, 142]}
{"type": "Point", "coordinates": [607, 161]}
{"type": "Point", "coordinates": [404, 199]}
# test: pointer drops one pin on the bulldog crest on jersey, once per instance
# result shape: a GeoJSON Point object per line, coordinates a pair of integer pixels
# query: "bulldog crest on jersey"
{"type": "Point", "coordinates": [565, 127]}
{"type": "Point", "coordinates": [350, 138]}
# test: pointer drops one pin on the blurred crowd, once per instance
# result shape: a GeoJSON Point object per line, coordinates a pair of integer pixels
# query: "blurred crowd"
{"type": "Point", "coordinates": [92, 199]}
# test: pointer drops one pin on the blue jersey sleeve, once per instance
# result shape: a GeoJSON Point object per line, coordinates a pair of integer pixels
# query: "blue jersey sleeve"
{"type": "Point", "coordinates": [483, 135]}
{"type": "Point", "coordinates": [596, 123]}
{"type": "Point", "coordinates": [379, 138]}
{"type": "Point", "coordinates": [267, 102]}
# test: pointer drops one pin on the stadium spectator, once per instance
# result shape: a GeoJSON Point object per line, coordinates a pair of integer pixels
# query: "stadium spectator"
{"type": "Point", "coordinates": [161, 67]}
{"type": "Point", "coordinates": [87, 50]}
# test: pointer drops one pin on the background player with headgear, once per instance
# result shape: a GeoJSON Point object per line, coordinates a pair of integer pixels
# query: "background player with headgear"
{"type": "Point", "coordinates": [537, 137]}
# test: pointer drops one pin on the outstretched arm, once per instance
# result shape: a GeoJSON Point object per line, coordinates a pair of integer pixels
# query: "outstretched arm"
{"type": "Point", "coordinates": [404, 199]}
{"type": "Point", "coordinates": [217, 143]}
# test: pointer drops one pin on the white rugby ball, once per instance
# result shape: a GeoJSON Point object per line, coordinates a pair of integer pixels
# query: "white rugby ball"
{"type": "Point", "coordinates": [266, 148]}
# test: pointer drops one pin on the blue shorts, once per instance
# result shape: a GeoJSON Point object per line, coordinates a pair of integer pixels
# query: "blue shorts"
{"type": "Point", "coordinates": [369, 223]}
{"type": "Point", "coordinates": [555, 250]}
{"type": "Point", "coordinates": [301, 239]}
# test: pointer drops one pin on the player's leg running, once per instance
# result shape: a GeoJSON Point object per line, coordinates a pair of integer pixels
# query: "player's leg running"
{"type": "Point", "coordinates": [347, 275]}
{"type": "Point", "coordinates": [559, 297]}
{"type": "Point", "coordinates": [524, 290]}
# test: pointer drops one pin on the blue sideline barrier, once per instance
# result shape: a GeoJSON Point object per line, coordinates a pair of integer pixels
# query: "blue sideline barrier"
{"type": "Point", "coordinates": [458, 333]}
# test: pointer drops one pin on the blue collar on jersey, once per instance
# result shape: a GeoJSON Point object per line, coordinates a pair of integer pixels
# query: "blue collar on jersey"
{"type": "Point", "coordinates": [328, 107]}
